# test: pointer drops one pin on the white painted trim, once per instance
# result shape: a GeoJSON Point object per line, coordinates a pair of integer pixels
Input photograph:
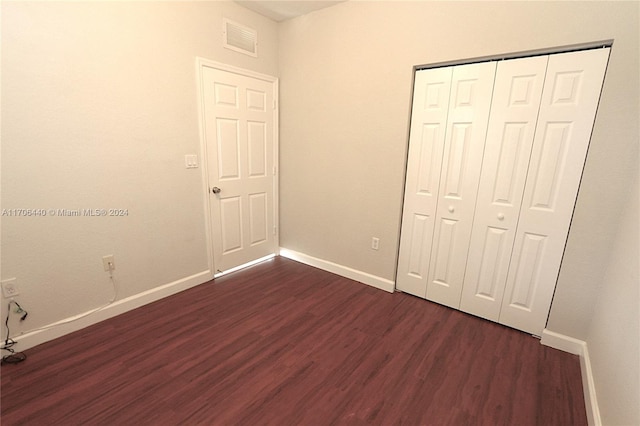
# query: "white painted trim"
{"type": "Point", "coordinates": [578, 347]}
{"type": "Point", "coordinates": [203, 164]}
{"type": "Point", "coordinates": [562, 342]}
{"type": "Point", "coordinates": [276, 165]}
{"type": "Point", "coordinates": [78, 322]}
{"type": "Point", "coordinates": [344, 271]}
{"type": "Point", "coordinates": [589, 389]}
{"type": "Point", "coordinates": [202, 63]}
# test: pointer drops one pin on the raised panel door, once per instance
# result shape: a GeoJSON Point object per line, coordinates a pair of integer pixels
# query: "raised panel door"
{"type": "Point", "coordinates": [469, 106]}
{"type": "Point", "coordinates": [567, 111]}
{"type": "Point", "coordinates": [514, 113]}
{"type": "Point", "coordinates": [426, 143]}
{"type": "Point", "coordinates": [239, 133]}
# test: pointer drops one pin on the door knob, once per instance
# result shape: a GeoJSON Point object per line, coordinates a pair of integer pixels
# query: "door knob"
{"type": "Point", "coordinates": [500, 216]}
{"type": "Point", "coordinates": [215, 190]}
{"type": "Point", "coordinates": [451, 209]}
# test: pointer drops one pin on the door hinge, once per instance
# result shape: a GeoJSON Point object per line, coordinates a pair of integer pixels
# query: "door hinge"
{"type": "Point", "coordinates": [275, 230]}
{"type": "Point", "coordinates": [275, 104]}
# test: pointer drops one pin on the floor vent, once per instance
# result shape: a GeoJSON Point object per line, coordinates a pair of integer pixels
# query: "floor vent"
{"type": "Point", "coordinates": [240, 38]}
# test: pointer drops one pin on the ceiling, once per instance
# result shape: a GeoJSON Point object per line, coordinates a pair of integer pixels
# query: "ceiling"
{"type": "Point", "coordinates": [282, 10]}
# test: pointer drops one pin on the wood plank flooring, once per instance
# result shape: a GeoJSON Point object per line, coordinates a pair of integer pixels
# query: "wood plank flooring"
{"type": "Point", "coordinates": [283, 343]}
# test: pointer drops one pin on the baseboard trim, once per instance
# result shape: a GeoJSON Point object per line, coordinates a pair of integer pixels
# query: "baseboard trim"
{"type": "Point", "coordinates": [562, 342]}
{"type": "Point", "coordinates": [78, 322]}
{"type": "Point", "coordinates": [343, 271]}
{"type": "Point", "coordinates": [578, 347]}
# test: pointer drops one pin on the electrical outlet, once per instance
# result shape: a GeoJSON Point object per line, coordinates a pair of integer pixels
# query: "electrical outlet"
{"type": "Point", "coordinates": [108, 263]}
{"type": "Point", "coordinates": [375, 243]}
{"type": "Point", "coordinates": [10, 288]}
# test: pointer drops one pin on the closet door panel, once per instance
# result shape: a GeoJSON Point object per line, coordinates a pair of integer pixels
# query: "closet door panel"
{"type": "Point", "coordinates": [426, 144]}
{"type": "Point", "coordinates": [514, 113]}
{"type": "Point", "coordinates": [471, 90]}
{"type": "Point", "coordinates": [569, 102]}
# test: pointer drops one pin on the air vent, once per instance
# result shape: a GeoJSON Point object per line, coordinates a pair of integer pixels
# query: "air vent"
{"type": "Point", "coordinates": [240, 38]}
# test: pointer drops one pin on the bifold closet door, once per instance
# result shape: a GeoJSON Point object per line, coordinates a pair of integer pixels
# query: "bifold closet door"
{"type": "Point", "coordinates": [448, 127]}
{"type": "Point", "coordinates": [514, 113]}
{"type": "Point", "coordinates": [488, 203]}
{"type": "Point", "coordinates": [469, 105]}
{"type": "Point", "coordinates": [569, 101]}
{"type": "Point", "coordinates": [426, 143]}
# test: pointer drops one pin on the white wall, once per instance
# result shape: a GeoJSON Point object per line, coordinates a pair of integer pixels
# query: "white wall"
{"type": "Point", "coordinates": [345, 98]}
{"type": "Point", "coordinates": [615, 325]}
{"type": "Point", "coordinates": [99, 107]}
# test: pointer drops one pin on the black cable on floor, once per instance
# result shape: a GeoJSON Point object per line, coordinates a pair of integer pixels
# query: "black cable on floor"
{"type": "Point", "coordinates": [13, 357]}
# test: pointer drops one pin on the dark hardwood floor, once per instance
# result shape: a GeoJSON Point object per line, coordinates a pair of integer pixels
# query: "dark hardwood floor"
{"type": "Point", "coordinates": [283, 343]}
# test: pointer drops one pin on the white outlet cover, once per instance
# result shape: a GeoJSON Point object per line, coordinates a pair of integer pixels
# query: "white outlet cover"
{"type": "Point", "coordinates": [105, 263]}
{"type": "Point", "coordinates": [10, 288]}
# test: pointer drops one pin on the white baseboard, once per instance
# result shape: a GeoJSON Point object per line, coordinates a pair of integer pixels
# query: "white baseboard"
{"type": "Point", "coordinates": [69, 325]}
{"type": "Point", "coordinates": [562, 342]}
{"type": "Point", "coordinates": [577, 347]}
{"type": "Point", "coordinates": [344, 271]}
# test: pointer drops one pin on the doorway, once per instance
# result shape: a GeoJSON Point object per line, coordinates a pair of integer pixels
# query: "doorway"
{"type": "Point", "coordinates": [239, 128]}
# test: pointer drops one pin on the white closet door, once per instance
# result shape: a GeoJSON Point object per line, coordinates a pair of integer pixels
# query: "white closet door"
{"type": "Point", "coordinates": [514, 111]}
{"type": "Point", "coordinates": [426, 144]}
{"type": "Point", "coordinates": [471, 89]}
{"type": "Point", "coordinates": [569, 101]}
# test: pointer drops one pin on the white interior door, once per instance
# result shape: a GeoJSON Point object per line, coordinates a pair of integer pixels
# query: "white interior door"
{"type": "Point", "coordinates": [514, 113]}
{"type": "Point", "coordinates": [469, 105]}
{"type": "Point", "coordinates": [569, 102]}
{"type": "Point", "coordinates": [239, 119]}
{"type": "Point", "coordinates": [424, 161]}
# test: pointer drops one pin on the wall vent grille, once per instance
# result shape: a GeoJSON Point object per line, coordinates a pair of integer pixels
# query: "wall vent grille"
{"type": "Point", "coordinates": [240, 38]}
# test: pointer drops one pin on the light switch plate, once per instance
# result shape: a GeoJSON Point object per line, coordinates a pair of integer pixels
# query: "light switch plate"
{"type": "Point", "coordinates": [191, 161]}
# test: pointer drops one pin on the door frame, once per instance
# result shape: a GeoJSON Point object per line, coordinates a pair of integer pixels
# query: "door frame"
{"type": "Point", "coordinates": [201, 64]}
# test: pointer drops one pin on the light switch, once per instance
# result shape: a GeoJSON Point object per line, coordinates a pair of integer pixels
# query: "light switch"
{"type": "Point", "coordinates": [191, 161]}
